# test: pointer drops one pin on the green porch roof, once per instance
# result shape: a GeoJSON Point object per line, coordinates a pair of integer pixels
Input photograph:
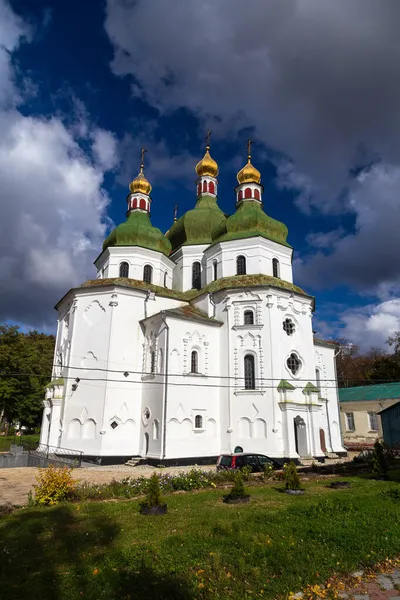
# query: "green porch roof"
{"type": "Point", "coordinates": [382, 391]}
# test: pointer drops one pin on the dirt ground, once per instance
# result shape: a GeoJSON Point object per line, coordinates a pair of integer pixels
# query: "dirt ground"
{"type": "Point", "coordinates": [15, 484]}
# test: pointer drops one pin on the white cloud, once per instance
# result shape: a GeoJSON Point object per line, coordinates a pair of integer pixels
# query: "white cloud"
{"type": "Point", "coordinates": [371, 326]}
{"type": "Point", "coordinates": [51, 196]}
{"type": "Point", "coordinates": [317, 80]}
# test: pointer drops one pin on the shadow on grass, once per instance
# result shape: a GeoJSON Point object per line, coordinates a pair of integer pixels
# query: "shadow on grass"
{"type": "Point", "coordinates": [54, 554]}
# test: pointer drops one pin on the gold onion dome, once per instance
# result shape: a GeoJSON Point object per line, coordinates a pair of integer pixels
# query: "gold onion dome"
{"type": "Point", "coordinates": [249, 174]}
{"type": "Point", "coordinates": [207, 165]}
{"type": "Point", "coordinates": [140, 183]}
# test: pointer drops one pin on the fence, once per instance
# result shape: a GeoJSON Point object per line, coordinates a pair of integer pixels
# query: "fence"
{"type": "Point", "coordinates": [60, 455]}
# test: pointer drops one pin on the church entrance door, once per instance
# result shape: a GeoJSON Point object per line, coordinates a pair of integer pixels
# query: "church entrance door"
{"type": "Point", "coordinates": [322, 440]}
{"type": "Point", "coordinates": [300, 436]}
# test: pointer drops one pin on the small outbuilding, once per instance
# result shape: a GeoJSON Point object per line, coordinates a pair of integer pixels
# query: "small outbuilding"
{"type": "Point", "coordinates": [390, 419]}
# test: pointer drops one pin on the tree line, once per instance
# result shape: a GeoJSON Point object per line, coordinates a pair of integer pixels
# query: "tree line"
{"type": "Point", "coordinates": [366, 368]}
{"type": "Point", "coordinates": [26, 361]}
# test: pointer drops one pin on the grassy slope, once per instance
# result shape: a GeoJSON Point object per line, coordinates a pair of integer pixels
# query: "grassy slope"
{"type": "Point", "coordinates": [200, 549]}
{"type": "Point", "coordinates": [6, 441]}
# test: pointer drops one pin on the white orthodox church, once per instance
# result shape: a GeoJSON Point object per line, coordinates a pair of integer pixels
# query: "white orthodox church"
{"type": "Point", "coordinates": [193, 343]}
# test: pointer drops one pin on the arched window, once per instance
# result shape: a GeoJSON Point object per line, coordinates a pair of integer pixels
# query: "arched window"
{"type": "Point", "coordinates": [249, 374]}
{"type": "Point", "coordinates": [240, 195]}
{"type": "Point", "coordinates": [147, 273]}
{"type": "Point", "coordinates": [196, 276]}
{"type": "Point", "coordinates": [199, 189]}
{"type": "Point", "coordinates": [194, 362]}
{"type": "Point", "coordinates": [256, 194]}
{"type": "Point", "coordinates": [247, 193]}
{"type": "Point", "coordinates": [318, 378]}
{"type": "Point", "coordinates": [204, 186]}
{"type": "Point", "coordinates": [165, 278]}
{"type": "Point", "coordinates": [198, 422]}
{"type": "Point", "coordinates": [293, 363]}
{"type": "Point", "coordinates": [248, 317]}
{"type": "Point", "coordinates": [241, 265]}
{"type": "Point", "coordinates": [152, 361]}
{"type": "Point", "coordinates": [142, 204]}
{"type": "Point", "coordinates": [156, 428]}
{"type": "Point", "coordinates": [275, 267]}
{"type": "Point", "coordinates": [215, 270]}
{"type": "Point", "coordinates": [211, 187]}
{"type": "Point", "coordinates": [124, 269]}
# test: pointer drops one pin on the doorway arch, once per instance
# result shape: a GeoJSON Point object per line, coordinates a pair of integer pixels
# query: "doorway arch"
{"type": "Point", "coordinates": [300, 436]}
{"type": "Point", "coordinates": [322, 440]}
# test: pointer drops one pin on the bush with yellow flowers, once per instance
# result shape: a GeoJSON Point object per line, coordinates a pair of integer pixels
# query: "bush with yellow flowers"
{"type": "Point", "coordinates": [54, 485]}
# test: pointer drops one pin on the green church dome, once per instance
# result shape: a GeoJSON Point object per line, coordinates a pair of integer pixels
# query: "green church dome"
{"type": "Point", "coordinates": [201, 225]}
{"type": "Point", "coordinates": [249, 221]}
{"type": "Point", "coordinates": [137, 230]}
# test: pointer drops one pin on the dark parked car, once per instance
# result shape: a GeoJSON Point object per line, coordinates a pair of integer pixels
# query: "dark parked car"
{"type": "Point", "coordinates": [242, 459]}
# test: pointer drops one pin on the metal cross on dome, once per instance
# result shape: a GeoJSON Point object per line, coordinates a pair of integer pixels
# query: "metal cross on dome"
{"type": "Point", "coordinates": [249, 143]}
{"type": "Point", "coordinates": [143, 152]}
{"type": "Point", "coordinates": [209, 132]}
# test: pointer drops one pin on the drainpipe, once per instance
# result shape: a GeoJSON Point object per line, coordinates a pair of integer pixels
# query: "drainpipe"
{"type": "Point", "coordinates": [211, 296]}
{"type": "Point", "coordinates": [164, 417]}
{"type": "Point", "coordinates": [338, 403]}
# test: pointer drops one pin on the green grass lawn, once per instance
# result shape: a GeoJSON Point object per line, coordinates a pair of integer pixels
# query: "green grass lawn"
{"type": "Point", "coordinates": [7, 440]}
{"type": "Point", "coordinates": [202, 549]}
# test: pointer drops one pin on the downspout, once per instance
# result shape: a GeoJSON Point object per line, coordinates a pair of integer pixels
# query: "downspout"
{"type": "Point", "coordinates": [164, 416]}
{"type": "Point", "coordinates": [338, 403]}
{"type": "Point", "coordinates": [211, 296]}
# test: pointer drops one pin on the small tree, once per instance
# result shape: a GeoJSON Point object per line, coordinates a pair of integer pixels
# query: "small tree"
{"type": "Point", "coordinates": [238, 490]}
{"type": "Point", "coordinates": [153, 493]}
{"type": "Point", "coordinates": [292, 479]}
{"type": "Point", "coordinates": [379, 461]}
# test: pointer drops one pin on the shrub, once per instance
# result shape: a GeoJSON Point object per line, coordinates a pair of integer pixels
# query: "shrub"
{"type": "Point", "coordinates": [238, 490]}
{"type": "Point", "coordinates": [246, 472]}
{"type": "Point", "coordinates": [153, 493]}
{"type": "Point", "coordinates": [268, 472]}
{"type": "Point", "coordinates": [379, 462]}
{"type": "Point", "coordinates": [292, 480]}
{"type": "Point", "coordinates": [54, 485]}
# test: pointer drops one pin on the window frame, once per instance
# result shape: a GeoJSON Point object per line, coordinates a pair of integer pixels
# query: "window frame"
{"type": "Point", "coordinates": [249, 312]}
{"type": "Point", "coordinates": [347, 419]}
{"type": "Point", "coordinates": [194, 355]}
{"type": "Point", "coordinates": [286, 321]}
{"type": "Point", "coordinates": [148, 269]}
{"type": "Point", "coordinates": [276, 271]}
{"type": "Point", "coordinates": [249, 379]}
{"type": "Point", "coordinates": [289, 358]}
{"type": "Point", "coordinates": [196, 426]}
{"type": "Point", "coordinates": [196, 275]}
{"type": "Point", "coordinates": [374, 417]}
{"type": "Point", "coordinates": [215, 270]}
{"type": "Point", "coordinates": [241, 265]}
{"type": "Point", "coordinates": [122, 265]}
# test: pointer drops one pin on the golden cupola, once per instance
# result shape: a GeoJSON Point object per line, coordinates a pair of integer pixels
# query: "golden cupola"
{"type": "Point", "coordinates": [207, 165]}
{"type": "Point", "coordinates": [249, 174]}
{"type": "Point", "coordinates": [140, 184]}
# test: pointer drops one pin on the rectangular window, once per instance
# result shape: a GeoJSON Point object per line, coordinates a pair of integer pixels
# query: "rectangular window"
{"type": "Point", "coordinates": [373, 421]}
{"type": "Point", "coordinates": [350, 422]}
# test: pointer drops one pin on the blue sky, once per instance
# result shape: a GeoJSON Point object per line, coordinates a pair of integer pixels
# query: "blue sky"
{"type": "Point", "coordinates": [315, 85]}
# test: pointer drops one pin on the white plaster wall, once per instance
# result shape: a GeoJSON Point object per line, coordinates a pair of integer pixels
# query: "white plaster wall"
{"type": "Point", "coordinates": [184, 258]}
{"type": "Point", "coordinates": [109, 261]}
{"type": "Point", "coordinates": [259, 253]}
{"type": "Point", "coordinates": [325, 362]}
{"type": "Point", "coordinates": [191, 394]}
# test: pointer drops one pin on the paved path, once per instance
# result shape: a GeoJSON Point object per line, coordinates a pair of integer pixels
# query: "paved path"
{"type": "Point", "coordinates": [15, 484]}
{"type": "Point", "coordinates": [385, 586]}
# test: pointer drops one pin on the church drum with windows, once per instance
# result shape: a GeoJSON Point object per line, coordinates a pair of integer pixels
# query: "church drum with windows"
{"type": "Point", "coordinates": [193, 342]}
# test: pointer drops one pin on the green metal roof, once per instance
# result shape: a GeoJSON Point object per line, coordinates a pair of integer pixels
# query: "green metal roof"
{"type": "Point", "coordinates": [382, 391]}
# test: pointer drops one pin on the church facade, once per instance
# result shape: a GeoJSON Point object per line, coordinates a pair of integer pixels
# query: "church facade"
{"type": "Point", "coordinates": [193, 343]}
